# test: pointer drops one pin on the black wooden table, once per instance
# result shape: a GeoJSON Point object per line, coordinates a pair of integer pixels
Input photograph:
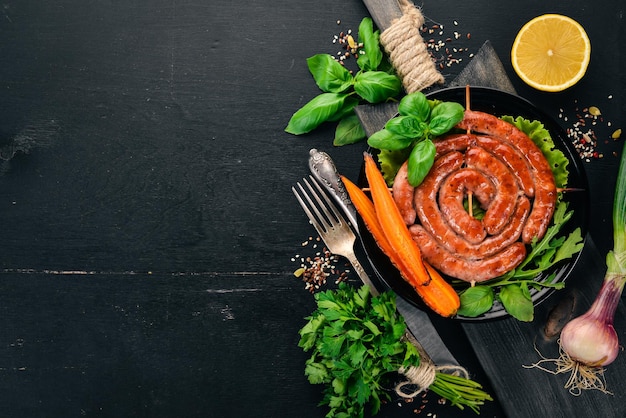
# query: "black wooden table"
{"type": "Point", "coordinates": [148, 223]}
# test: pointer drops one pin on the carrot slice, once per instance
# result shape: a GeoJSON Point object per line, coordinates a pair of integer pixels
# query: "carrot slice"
{"type": "Point", "coordinates": [436, 293]}
{"type": "Point", "coordinates": [391, 221]}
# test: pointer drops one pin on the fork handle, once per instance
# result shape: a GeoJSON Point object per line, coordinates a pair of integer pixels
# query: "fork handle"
{"type": "Point", "coordinates": [362, 274]}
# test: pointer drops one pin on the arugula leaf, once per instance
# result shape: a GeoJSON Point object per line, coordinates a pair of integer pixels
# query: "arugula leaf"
{"type": "Point", "coordinates": [550, 250]}
{"type": "Point", "coordinates": [514, 286]}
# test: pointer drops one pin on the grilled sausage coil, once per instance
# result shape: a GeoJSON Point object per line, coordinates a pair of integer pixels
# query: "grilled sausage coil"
{"type": "Point", "coordinates": [510, 180]}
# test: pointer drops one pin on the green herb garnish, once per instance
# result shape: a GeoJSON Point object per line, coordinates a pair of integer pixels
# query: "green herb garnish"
{"type": "Point", "coordinates": [411, 133]}
{"type": "Point", "coordinates": [342, 92]}
{"type": "Point", "coordinates": [514, 287]}
{"type": "Point", "coordinates": [358, 346]}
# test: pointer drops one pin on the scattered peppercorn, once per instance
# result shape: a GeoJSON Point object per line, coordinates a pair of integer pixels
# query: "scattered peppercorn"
{"type": "Point", "coordinates": [439, 45]}
{"type": "Point", "coordinates": [586, 129]}
{"type": "Point", "coordinates": [316, 269]}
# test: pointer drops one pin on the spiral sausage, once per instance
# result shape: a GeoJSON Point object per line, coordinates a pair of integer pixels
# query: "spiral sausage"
{"type": "Point", "coordinates": [545, 188]}
{"type": "Point", "coordinates": [509, 177]}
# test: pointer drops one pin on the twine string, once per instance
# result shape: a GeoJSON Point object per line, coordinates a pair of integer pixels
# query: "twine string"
{"type": "Point", "coordinates": [421, 377]}
{"type": "Point", "coordinates": [408, 52]}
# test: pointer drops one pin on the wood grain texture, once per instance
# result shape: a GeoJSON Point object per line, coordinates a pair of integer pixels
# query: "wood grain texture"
{"type": "Point", "coordinates": [383, 12]}
{"type": "Point", "coordinates": [148, 222]}
{"type": "Point", "coordinates": [530, 391]}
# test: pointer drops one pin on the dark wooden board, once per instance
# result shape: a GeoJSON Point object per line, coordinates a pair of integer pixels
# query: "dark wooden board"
{"type": "Point", "coordinates": [530, 391]}
{"type": "Point", "coordinates": [147, 219]}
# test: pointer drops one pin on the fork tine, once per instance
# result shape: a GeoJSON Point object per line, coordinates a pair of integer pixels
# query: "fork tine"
{"type": "Point", "coordinates": [328, 219]}
{"type": "Point", "coordinates": [327, 204]}
{"type": "Point", "coordinates": [306, 209]}
{"type": "Point", "coordinates": [324, 219]}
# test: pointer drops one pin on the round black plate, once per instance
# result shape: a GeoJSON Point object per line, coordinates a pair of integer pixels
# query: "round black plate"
{"type": "Point", "coordinates": [499, 103]}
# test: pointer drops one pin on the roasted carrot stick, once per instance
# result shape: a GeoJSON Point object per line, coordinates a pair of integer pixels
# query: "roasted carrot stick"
{"type": "Point", "coordinates": [390, 220]}
{"type": "Point", "coordinates": [436, 293]}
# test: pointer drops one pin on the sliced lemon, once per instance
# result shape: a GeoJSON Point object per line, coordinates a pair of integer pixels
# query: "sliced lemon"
{"type": "Point", "coordinates": [551, 52]}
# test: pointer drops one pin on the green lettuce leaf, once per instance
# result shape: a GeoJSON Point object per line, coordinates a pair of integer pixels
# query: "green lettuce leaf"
{"type": "Point", "coordinates": [541, 137]}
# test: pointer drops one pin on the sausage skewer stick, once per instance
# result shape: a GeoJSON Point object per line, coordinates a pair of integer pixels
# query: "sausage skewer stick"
{"type": "Point", "coordinates": [470, 208]}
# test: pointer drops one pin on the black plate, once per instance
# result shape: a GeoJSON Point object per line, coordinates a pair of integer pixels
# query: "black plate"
{"type": "Point", "coordinates": [499, 103]}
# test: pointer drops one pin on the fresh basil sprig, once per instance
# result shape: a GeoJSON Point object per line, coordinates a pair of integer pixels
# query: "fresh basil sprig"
{"type": "Point", "coordinates": [342, 91]}
{"type": "Point", "coordinates": [418, 122]}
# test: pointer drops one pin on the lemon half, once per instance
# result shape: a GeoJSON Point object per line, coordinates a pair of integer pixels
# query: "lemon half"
{"type": "Point", "coordinates": [551, 52]}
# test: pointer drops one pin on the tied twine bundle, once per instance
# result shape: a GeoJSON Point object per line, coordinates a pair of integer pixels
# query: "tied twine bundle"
{"type": "Point", "coordinates": [419, 378]}
{"type": "Point", "coordinates": [408, 52]}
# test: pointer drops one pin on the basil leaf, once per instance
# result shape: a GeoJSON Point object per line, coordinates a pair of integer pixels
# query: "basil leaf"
{"type": "Point", "coordinates": [348, 107]}
{"type": "Point", "coordinates": [421, 160]}
{"type": "Point", "coordinates": [415, 104]}
{"type": "Point", "coordinates": [371, 59]}
{"type": "Point", "coordinates": [386, 140]}
{"type": "Point", "coordinates": [408, 126]}
{"type": "Point", "coordinates": [516, 301]}
{"type": "Point", "coordinates": [444, 117]}
{"type": "Point", "coordinates": [317, 111]}
{"type": "Point", "coordinates": [329, 75]}
{"type": "Point", "coordinates": [349, 131]}
{"type": "Point", "coordinates": [377, 86]}
{"type": "Point", "coordinates": [475, 301]}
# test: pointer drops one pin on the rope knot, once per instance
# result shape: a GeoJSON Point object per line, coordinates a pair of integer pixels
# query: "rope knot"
{"type": "Point", "coordinates": [422, 376]}
{"type": "Point", "coordinates": [408, 52]}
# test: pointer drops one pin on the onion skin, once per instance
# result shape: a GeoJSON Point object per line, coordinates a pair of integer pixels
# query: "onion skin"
{"type": "Point", "coordinates": [591, 339]}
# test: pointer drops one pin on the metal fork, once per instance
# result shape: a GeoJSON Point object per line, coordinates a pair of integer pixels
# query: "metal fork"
{"type": "Point", "coordinates": [340, 239]}
{"type": "Point", "coordinates": [331, 225]}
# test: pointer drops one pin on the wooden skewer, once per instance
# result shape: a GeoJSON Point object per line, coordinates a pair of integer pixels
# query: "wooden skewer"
{"type": "Point", "coordinates": [467, 102]}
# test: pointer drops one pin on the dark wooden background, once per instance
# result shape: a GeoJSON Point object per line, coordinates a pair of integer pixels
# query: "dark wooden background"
{"type": "Point", "coordinates": [147, 219]}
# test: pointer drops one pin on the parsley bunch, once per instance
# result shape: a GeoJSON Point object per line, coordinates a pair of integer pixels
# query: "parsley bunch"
{"type": "Point", "coordinates": [356, 340]}
{"type": "Point", "coordinates": [357, 346]}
